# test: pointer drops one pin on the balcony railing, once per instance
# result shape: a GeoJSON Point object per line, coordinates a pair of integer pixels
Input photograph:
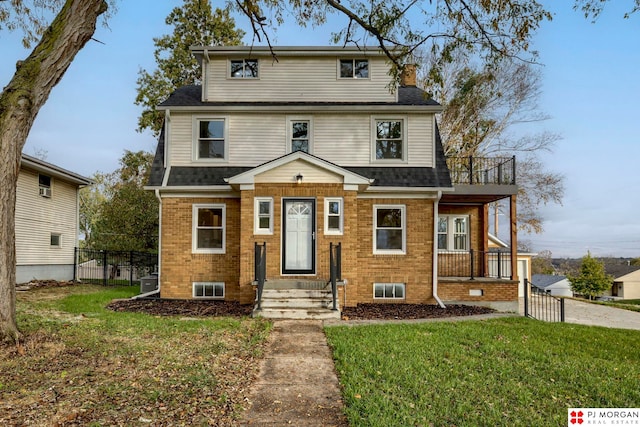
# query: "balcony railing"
{"type": "Point", "coordinates": [472, 264]}
{"type": "Point", "coordinates": [482, 170]}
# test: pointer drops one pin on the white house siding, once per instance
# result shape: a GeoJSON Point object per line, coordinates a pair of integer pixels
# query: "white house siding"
{"type": "Point", "coordinates": [301, 79]}
{"type": "Point", "coordinates": [341, 138]}
{"type": "Point", "coordinates": [36, 218]}
{"type": "Point", "coordinates": [287, 173]}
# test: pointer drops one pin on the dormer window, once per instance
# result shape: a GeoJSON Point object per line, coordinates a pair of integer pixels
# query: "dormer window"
{"type": "Point", "coordinates": [44, 185]}
{"type": "Point", "coordinates": [354, 68]}
{"type": "Point", "coordinates": [244, 69]}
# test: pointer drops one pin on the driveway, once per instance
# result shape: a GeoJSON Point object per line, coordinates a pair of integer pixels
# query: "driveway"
{"type": "Point", "coordinates": [600, 315]}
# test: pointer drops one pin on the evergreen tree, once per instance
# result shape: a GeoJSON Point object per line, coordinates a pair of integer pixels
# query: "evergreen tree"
{"type": "Point", "coordinates": [195, 24]}
{"type": "Point", "coordinates": [591, 279]}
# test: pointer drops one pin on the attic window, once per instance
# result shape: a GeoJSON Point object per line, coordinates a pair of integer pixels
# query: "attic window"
{"type": "Point", "coordinates": [244, 69]}
{"type": "Point", "coordinates": [354, 68]}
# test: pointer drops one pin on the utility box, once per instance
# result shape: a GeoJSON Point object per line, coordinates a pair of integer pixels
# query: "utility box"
{"type": "Point", "coordinates": [149, 283]}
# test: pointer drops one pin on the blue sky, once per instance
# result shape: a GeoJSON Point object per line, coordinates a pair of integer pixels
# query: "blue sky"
{"type": "Point", "coordinates": [590, 89]}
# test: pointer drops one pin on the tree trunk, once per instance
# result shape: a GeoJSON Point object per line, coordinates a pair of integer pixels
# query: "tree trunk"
{"type": "Point", "coordinates": [20, 102]}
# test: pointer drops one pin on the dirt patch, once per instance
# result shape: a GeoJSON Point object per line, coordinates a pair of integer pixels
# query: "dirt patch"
{"type": "Point", "coordinates": [410, 311]}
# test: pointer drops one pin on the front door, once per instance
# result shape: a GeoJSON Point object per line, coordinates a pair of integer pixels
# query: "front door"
{"type": "Point", "coordinates": [298, 236]}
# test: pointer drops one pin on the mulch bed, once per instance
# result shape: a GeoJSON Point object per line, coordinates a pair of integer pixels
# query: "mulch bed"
{"type": "Point", "coordinates": [190, 308]}
{"type": "Point", "coordinates": [410, 311]}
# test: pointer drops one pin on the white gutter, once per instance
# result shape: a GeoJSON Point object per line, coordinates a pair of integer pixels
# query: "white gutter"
{"type": "Point", "coordinates": [435, 251]}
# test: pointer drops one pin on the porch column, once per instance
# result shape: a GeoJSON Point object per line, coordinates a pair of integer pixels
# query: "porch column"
{"type": "Point", "coordinates": [514, 238]}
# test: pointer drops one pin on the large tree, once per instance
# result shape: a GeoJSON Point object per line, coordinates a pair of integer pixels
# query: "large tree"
{"type": "Point", "coordinates": [591, 279]}
{"type": "Point", "coordinates": [485, 108]}
{"type": "Point", "coordinates": [194, 24]}
{"type": "Point", "coordinates": [20, 102]}
{"type": "Point", "coordinates": [119, 214]}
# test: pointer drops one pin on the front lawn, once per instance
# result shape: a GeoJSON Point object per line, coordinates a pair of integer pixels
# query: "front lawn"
{"type": "Point", "coordinates": [80, 364]}
{"type": "Point", "coordinates": [510, 371]}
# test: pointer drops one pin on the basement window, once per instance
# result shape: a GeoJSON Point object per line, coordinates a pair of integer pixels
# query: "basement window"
{"type": "Point", "coordinates": [388, 290]}
{"type": "Point", "coordinates": [208, 290]}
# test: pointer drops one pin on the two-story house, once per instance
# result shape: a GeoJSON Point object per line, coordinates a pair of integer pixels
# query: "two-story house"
{"type": "Point", "coordinates": [269, 165]}
{"type": "Point", "coordinates": [47, 220]}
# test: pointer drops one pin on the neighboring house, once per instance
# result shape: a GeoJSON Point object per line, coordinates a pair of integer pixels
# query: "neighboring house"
{"type": "Point", "coordinates": [47, 220]}
{"type": "Point", "coordinates": [626, 281]}
{"type": "Point", "coordinates": [524, 262]}
{"type": "Point", "coordinates": [312, 150]}
{"type": "Point", "coordinates": [553, 284]}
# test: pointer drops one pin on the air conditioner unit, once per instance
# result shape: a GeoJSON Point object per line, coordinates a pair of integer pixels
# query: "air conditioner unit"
{"type": "Point", "coordinates": [45, 191]}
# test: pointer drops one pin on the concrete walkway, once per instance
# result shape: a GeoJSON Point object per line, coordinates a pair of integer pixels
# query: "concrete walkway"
{"type": "Point", "coordinates": [297, 384]}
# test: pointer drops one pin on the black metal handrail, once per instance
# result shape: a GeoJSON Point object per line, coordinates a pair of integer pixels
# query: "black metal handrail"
{"type": "Point", "coordinates": [260, 270]}
{"type": "Point", "coordinates": [335, 270]}
{"type": "Point", "coordinates": [541, 305]}
{"type": "Point", "coordinates": [482, 170]}
{"type": "Point", "coordinates": [473, 263]}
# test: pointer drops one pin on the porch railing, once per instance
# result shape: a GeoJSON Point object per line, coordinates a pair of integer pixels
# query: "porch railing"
{"type": "Point", "coordinates": [474, 264]}
{"type": "Point", "coordinates": [482, 170]}
{"type": "Point", "coordinates": [540, 305]}
{"type": "Point", "coordinates": [335, 270]}
{"type": "Point", "coordinates": [260, 269]}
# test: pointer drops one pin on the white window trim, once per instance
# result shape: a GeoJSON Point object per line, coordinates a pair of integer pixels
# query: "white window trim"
{"type": "Point", "coordinates": [256, 215]}
{"type": "Point", "coordinates": [403, 210]}
{"type": "Point", "coordinates": [353, 61]}
{"type": "Point", "coordinates": [404, 291]}
{"type": "Point", "coordinates": [374, 137]}
{"type": "Point", "coordinates": [214, 284]}
{"type": "Point", "coordinates": [290, 121]}
{"type": "Point", "coordinates": [340, 229]}
{"type": "Point", "coordinates": [450, 233]}
{"type": "Point", "coordinates": [194, 229]}
{"type": "Point", "coordinates": [196, 137]}
{"type": "Point", "coordinates": [230, 77]}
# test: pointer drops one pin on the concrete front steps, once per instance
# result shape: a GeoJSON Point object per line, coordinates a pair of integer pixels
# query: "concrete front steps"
{"type": "Point", "coordinates": [296, 299]}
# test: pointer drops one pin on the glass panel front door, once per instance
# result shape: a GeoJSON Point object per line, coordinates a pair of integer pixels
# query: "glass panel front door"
{"type": "Point", "coordinates": [298, 237]}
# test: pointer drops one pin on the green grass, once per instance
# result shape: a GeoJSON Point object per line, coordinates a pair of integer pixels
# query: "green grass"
{"type": "Point", "coordinates": [502, 372]}
{"type": "Point", "coordinates": [81, 363]}
{"type": "Point", "coordinates": [626, 304]}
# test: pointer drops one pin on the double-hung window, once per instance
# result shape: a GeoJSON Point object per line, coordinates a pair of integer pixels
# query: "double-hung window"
{"type": "Point", "coordinates": [354, 68]}
{"type": "Point", "coordinates": [263, 215]}
{"type": "Point", "coordinates": [44, 185]}
{"type": "Point", "coordinates": [299, 134]}
{"type": "Point", "coordinates": [211, 142]}
{"type": "Point", "coordinates": [453, 233]}
{"type": "Point", "coordinates": [389, 139]}
{"type": "Point", "coordinates": [209, 226]}
{"type": "Point", "coordinates": [389, 229]}
{"type": "Point", "coordinates": [244, 68]}
{"type": "Point", "coordinates": [333, 217]}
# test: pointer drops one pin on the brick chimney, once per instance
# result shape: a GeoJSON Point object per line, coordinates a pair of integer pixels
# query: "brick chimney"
{"type": "Point", "coordinates": [408, 75]}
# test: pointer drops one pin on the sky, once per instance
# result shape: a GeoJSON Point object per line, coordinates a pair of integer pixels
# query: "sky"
{"type": "Point", "coordinates": [590, 90]}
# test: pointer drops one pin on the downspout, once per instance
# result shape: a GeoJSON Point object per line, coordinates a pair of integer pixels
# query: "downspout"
{"type": "Point", "coordinates": [435, 250]}
{"type": "Point", "coordinates": [157, 291]}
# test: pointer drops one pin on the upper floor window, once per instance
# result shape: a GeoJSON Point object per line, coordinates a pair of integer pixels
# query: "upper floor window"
{"type": "Point", "coordinates": [354, 68]}
{"type": "Point", "coordinates": [389, 141]}
{"type": "Point", "coordinates": [244, 68]}
{"type": "Point", "coordinates": [299, 134]}
{"type": "Point", "coordinates": [56, 240]}
{"type": "Point", "coordinates": [44, 185]}
{"type": "Point", "coordinates": [211, 141]}
{"type": "Point", "coordinates": [453, 233]}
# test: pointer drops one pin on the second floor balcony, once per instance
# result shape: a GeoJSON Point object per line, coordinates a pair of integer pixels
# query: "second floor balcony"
{"type": "Point", "coordinates": [482, 179]}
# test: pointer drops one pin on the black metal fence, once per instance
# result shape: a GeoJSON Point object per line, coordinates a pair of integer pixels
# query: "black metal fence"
{"type": "Point", "coordinates": [474, 264]}
{"type": "Point", "coordinates": [541, 305]}
{"type": "Point", "coordinates": [113, 267]}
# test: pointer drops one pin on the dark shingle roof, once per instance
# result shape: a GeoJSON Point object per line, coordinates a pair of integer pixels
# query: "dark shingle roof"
{"type": "Point", "coordinates": [191, 96]}
{"type": "Point", "coordinates": [620, 270]}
